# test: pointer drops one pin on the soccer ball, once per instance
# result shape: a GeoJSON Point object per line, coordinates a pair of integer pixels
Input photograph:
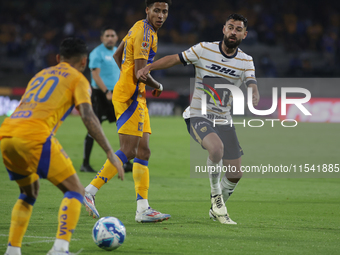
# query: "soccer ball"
{"type": "Point", "coordinates": [108, 233]}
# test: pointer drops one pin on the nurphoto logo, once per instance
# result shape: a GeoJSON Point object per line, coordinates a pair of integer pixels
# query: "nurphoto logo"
{"type": "Point", "coordinates": [238, 104]}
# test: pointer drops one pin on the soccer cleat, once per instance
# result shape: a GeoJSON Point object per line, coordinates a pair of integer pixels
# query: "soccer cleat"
{"type": "Point", "coordinates": [90, 205]}
{"type": "Point", "coordinates": [54, 252]}
{"type": "Point", "coordinates": [151, 215]}
{"type": "Point", "coordinates": [223, 219]}
{"type": "Point", "coordinates": [87, 168]}
{"type": "Point", "coordinates": [217, 205]}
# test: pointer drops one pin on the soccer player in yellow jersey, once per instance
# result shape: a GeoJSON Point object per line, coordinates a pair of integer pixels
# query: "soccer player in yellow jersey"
{"type": "Point", "coordinates": [30, 150]}
{"type": "Point", "coordinates": [136, 50]}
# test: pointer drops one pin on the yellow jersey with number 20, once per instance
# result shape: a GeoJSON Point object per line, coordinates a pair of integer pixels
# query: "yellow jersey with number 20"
{"type": "Point", "coordinates": [49, 98]}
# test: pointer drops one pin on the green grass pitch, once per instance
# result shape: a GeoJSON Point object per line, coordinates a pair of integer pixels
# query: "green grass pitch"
{"type": "Point", "coordinates": [274, 215]}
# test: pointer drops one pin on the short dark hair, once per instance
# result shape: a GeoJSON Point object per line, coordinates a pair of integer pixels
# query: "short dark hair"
{"type": "Point", "coordinates": [72, 47]}
{"type": "Point", "coordinates": [104, 28]}
{"type": "Point", "coordinates": [239, 17]}
{"type": "Point", "coordinates": [148, 3]}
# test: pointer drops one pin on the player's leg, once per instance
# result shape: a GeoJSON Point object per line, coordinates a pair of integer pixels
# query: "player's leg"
{"type": "Point", "coordinates": [205, 134]}
{"type": "Point", "coordinates": [21, 214]}
{"type": "Point", "coordinates": [141, 178]}
{"type": "Point", "coordinates": [19, 157]}
{"type": "Point", "coordinates": [62, 174]}
{"type": "Point", "coordinates": [228, 184]}
{"type": "Point", "coordinates": [231, 160]}
{"type": "Point", "coordinates": [128, 115]}
{"type": "Point", "coordinates": [231, 177]}
{"type": "Point", "coordinates": [232, 165]}
{"type": "Point", "coordinates": [128, 150]}
{"type": "Point", "coordinates": [88, 142]}
{"type": "Point", "coordinates": [215, 147]}
{"type": "Point", "coordinates": [141, 173]}
{"type": "Point", "coordinates": [111, 116]}
{"type": "Point", "coordinates": [68, 214]}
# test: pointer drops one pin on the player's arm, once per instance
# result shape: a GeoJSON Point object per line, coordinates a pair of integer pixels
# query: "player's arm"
{"type": "Point", "coordinates": [96, 77]}
{"type": "Point", "coordinates": [118, 55]}
{"type": "Point", "coordinates": [139, 65]}
{"type": "Point", "coordinates": [94, 128]}
{"type": "Point", "coordinates": [163, 63]}
{"type": "Point", "coordinates": [256, 94]}
{"type": "Point", "coordinates": [150, 81]}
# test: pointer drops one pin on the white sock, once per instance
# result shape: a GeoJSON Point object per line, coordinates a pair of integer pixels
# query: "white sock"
{"type": "Point", "coordinates": [91, 189]}
{"type": "Point", "coordinates": [142, 205]}
{"type": "Point", "coordinates": [227, 187]}
{"type": "Point", "coordinates": [11, 250]}
{"type": "Point", "coordinates": [61, 245]}
{"type": "Point", "coordinates": [214, 170]}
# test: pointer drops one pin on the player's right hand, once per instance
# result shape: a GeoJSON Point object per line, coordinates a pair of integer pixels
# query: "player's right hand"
{"type": "Point", "coordinates": [116, 162]}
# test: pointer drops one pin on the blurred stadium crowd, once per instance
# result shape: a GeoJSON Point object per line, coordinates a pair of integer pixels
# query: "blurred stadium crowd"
{"type": "Point", "coordinates": [306, 31]}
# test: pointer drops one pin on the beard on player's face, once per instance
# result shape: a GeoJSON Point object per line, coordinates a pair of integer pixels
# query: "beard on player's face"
{"type": "Point", "coordinates": [231, 44]}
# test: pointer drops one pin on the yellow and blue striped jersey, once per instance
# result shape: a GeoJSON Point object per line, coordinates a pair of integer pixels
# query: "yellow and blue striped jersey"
{"type": "Point", "coordinates": [139, 43]}
{"type": "Point", "coordinates": [49, 98]}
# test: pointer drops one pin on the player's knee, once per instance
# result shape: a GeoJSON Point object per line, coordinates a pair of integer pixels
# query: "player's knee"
{"type": "Point", "coordinates": [32, 194]}
{"type": "Point", "coordinates": [131, 153]}
{"type": "Point", "coordinates": [79, 188]}
{"type": "Point", "coordinates": [72, 185]}
{"type": "Point", "coordinates": [32, 191]}
{"type": "Point", "coordinates": [144, 154]}
{"type": "Point", "coordinates": [234, 175]}
{"type": "Point", "coordinates": [216, 153]}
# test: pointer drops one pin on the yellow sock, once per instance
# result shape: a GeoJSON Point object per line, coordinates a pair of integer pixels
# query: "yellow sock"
{"type": "Point", "coordinates": [140, 172]}
{"type": "Point", "coordinates": [68, 215]}
{"type": "Point", "coordinates": [108, 171]}
{"type": "Point", "coordinates": [21, 215]}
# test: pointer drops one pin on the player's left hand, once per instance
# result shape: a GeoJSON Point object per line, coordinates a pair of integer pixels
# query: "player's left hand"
{"type": "Point", "coordinates": [256, 99]}
{"type": "Point", "coordinates": [142, 74]}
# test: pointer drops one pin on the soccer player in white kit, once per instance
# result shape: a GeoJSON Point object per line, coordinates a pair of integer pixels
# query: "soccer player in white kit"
{"type": "Point", "coordinates": [216, 63]}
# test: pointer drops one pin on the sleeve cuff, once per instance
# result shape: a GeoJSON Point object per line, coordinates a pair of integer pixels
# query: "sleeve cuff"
{"type": "Point", "coordinates": [251, 82]}
{"type": "Point", "coordinates": [182, 59]}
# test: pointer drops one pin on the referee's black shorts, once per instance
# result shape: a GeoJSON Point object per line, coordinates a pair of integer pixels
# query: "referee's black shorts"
{"type": "Point", "coordinates": [102, 107]}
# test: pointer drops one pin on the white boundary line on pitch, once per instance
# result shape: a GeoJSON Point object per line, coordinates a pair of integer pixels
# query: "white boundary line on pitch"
{"type": "Point", "coordinates": [50, 239]}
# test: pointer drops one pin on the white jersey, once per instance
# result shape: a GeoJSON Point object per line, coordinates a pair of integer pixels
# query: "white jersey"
{"type": "Point", "coordinates": [213, 66]}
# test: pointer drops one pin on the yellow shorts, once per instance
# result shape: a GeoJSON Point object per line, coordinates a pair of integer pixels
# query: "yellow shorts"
{"type": "Point", "coordinates": [28, 160]}
{"type": "Point", "coordinates": [132, 118]}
